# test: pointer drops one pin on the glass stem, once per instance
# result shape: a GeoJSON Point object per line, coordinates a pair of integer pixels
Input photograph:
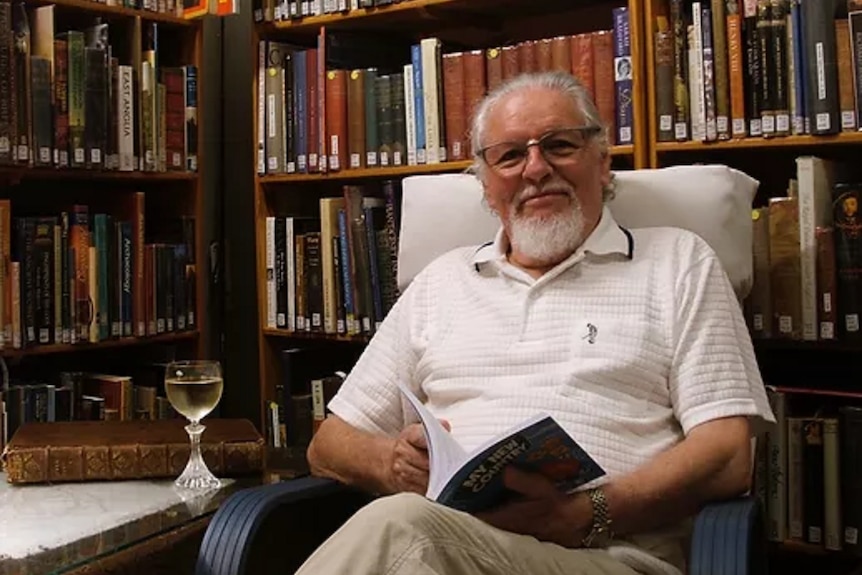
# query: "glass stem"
{"type": "Point", "coordinates": [195, 430]}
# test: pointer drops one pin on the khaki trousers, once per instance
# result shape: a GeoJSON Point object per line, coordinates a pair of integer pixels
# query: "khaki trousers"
{"type": "Point", "coordinates": [406, 534]}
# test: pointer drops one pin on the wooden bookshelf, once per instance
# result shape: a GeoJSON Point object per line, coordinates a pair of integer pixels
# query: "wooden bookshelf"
{"type": "Point", "coordinates": [110, 344]}
{"type": "Point", "coordinates": [157, 201]}
{"type": "Point", "coordinates": [465, 24]}
{"type": "Point", "coordinates": [91, 7]}
{"type": "Point", "coordinates": [314, 336]}
{"type": "Point", "coordinates": [778, 142]}
{"type": "Point", "coordinates": [15, 174]}
{"type": "Point", "coordinates": [804, 374]}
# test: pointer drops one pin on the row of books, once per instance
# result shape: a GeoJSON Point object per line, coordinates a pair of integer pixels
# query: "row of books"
{"type": "Point", "coordinates": [807, 474]}
{"type": "Point", "coordinates": [273, 10]}
{"type": "Point", "coordinates": [80, 396]}
{"type": "Point", "coordinates": [89, 277]}
{"type": "Point", "coordinates": [807, 257]}
{"type": "Point", "coordinates": [347, 104]}
{"type": "Point", "coordinates": [757, 68]}
{"type": "Point", "coordinates": [334, 272]}
{"type": "Point", "coordinates": [68, 100]}
{"type": "Point", "coordinates": [310, 377]}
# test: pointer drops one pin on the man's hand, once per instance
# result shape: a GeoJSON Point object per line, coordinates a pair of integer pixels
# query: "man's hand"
{"type": "Point", "coordinates": [410, 467]}
{"type": "Point", "coordinates": [541, 510]}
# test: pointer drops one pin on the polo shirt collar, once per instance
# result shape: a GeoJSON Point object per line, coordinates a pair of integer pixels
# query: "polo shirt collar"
{"type": "Point", "coordinates": [607, 238]}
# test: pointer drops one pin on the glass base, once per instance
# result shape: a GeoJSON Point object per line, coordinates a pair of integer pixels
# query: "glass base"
{"type": "Point", "coordinates": [196, 476]}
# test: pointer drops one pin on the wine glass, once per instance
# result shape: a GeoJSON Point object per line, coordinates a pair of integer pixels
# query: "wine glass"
{"type": "Point", "coordinates": [194, 388]}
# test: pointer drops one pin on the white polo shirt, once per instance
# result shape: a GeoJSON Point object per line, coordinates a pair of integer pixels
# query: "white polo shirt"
{"type": "Point", "coordinates": [629, 343]}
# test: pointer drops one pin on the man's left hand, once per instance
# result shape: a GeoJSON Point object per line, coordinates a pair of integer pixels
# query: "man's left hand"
{"type": "Point", "coordinates": [541, 510]}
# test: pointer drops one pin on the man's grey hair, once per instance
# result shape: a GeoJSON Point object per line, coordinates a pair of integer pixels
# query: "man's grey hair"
{"type": "Point", "coordinates": [561, 82]}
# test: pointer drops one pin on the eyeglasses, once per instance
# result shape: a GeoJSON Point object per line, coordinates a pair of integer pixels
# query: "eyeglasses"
{"type": "Point", "coordinates": [558, 147]}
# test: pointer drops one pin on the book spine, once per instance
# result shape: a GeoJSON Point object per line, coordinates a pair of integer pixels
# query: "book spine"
{"type": "Point", "coordinates": [356, 119]}
{"type": "Point", "coordinates": [409, 114]}
{"type": "Point", "coordinates": [300, 107]}
{"type": "Point", "coordinates": [855, 24]}
{"type": "Point", "coordinates": [271, 294]}
{"type": "Point", "coordinates": [312, 132]}
{"type": "Point", "coordinates": [399, 132]}
{"type": "Point", "coordinates": [622, 76]}
{"type": "Point", "coordinates": [8, 94]}
{"type": "Point", "coordinates": [832, 523]}
{"type": "Point", "coordinates": [42, 106]}
{"type": "Point", "coordinates": [680, 72]}
{"type": "Point", "coordinates": [119, 462]}
{"type": "Point", "coordinates": [721, 64]}
{"type": "Point", "coordinates": [262, 124]}
{"type": "Point", "coordinates": [432, 99]}
{"type": "Point", "coordinates": [795, 488]}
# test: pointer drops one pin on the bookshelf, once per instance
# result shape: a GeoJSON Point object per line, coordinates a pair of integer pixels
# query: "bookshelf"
{"type": "Point", "coordinates": [492, 30]}
{"type": "Point", "coordinates": [101, 205]}
{"type": "Point", "coordinates": [772, 129]}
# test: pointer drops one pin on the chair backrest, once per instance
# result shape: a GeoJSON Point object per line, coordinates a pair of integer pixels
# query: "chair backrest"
{"type": "Point", "coordinates": [445, 211]}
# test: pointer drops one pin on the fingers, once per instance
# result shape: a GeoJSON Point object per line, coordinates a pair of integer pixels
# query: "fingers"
{"type": "Point", "coordinates": [409, 477]}
{"type": "Point", "coordinates": [446, 425]}
{"type": "Point", "coordinates": [415, 436]}
{"type": "Point", "coordinates": [407, 452]}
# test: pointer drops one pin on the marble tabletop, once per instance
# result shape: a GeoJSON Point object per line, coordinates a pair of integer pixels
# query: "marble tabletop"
{"type": "Point", "coordinates": [47, 529]}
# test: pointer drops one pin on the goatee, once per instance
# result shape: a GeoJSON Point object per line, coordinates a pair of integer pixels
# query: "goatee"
{"type": "Point", "coordinates": [546, 239]}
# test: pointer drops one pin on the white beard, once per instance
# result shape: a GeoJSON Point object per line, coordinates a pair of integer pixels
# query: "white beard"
{"type": "Point", "coordinates": [547, 239]}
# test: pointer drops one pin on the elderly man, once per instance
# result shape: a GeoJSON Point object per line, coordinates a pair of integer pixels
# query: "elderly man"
{"type": "Point", "coordinates": [632, 339]}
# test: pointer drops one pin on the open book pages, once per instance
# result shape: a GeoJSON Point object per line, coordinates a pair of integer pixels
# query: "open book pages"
{"type": "Point", "coordinates": [474, 481]}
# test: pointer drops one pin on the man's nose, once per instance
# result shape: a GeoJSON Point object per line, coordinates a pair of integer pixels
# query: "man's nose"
{"type": "Point", "coordinates": [536, 167]}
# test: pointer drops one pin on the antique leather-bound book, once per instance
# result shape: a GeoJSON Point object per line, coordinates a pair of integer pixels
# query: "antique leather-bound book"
{"type": "Point", "coordinates": [111, 450]}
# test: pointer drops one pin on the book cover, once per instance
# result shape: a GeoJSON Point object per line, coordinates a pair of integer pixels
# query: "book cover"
{"type": "Point", "coordinates": [474, 481]}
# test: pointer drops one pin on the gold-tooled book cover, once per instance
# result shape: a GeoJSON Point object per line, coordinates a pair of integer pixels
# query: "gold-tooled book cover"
{"type": "Point", "coordinates": [111, 450]}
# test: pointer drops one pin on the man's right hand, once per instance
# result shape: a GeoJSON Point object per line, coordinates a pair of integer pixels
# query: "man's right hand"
{"type": "Point", "coordinates": [410, 466]}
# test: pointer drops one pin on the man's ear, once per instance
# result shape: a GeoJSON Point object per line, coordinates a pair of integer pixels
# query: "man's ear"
{"type": "Point", "coordinates": [606, 169]}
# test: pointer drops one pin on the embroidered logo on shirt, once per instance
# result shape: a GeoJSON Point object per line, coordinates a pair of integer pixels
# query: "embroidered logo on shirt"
{"type": "Point", "coordinates": [592, 332]}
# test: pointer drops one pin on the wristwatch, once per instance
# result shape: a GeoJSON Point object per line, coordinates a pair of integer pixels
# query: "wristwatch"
{"type": "Point", "coordinates": [601, 534]}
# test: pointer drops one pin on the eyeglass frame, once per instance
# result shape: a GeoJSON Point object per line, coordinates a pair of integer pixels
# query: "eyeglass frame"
{"type": "Point", "coordinates": [588, 132]}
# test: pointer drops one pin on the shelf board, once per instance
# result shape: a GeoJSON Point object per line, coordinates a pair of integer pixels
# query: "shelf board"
{"type": "Point", "coordinates": [790, 390]}
{"type": "Point", "coordinates": [97, 8]}
{"type": "Point", "coordinates": [776, 344]}
{"type": "Point", "coordinates": [842, 138]}
{"type": "Point", "coordinates": [54, 349]}
{"type": "Point", "coordinates": [395, 171]}
{"type": "Point", "coordinates": [795, 546]}
{"type": "Point", "coordinates": [315, 336]}
{"type": "Point", "coordinates": [17, 173]}
{"type": "Point", "coordinates": [418, 14]}
{"type": "Point", "coordinates": [364, 173]}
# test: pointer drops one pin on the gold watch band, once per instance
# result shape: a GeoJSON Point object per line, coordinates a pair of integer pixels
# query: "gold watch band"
{"type": "Point", "coordinates": [601, 533]}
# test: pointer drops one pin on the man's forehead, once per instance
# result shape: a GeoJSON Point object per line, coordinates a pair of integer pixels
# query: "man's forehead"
{"type": "Point", "coordinates": [530, 112]}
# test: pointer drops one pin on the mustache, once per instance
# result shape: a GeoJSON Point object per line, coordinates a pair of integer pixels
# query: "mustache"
{"type": "Point", "coordinates": [530, 192]}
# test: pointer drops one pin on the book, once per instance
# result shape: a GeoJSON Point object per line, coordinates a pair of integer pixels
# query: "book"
{"type": "Point", "coordinates": [474, 481]}
{"type": "Point", "coordinates": [113, 450]}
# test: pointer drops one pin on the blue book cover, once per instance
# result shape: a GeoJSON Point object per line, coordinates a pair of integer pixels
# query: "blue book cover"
{"type": "Point", "coordinates": [474, 481]}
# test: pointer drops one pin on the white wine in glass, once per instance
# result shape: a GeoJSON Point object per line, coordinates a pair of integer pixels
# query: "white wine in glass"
{"type": "Point", "coordinates": [194, 388]}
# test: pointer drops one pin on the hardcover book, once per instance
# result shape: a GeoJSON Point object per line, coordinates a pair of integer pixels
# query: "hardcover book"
{"type": "Point", "coordinates": [474, 481]}
{"type": "Point", "coordinates": [100, 450]}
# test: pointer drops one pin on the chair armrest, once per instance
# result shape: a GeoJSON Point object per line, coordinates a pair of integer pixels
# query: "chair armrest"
{"type": "Point", "coordinates": [729, 539]}
{"type": "Point", "coordinates": [273, 528]}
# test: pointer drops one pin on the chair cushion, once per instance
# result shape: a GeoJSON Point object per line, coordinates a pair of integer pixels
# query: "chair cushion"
{"type": "Point", "coordinates": [445, 211]}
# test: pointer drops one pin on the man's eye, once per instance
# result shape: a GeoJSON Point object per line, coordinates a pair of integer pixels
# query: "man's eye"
{"type": "Point", "coordinates": [559, 146]}
{"type": "Point", "coordinates": [511, 155]}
